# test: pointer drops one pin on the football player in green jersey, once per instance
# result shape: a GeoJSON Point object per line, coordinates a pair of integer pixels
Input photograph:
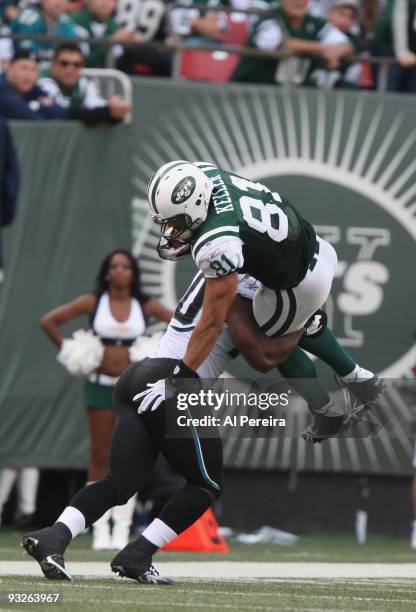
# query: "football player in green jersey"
{"type": "Point", "coordinates": [230, 224]}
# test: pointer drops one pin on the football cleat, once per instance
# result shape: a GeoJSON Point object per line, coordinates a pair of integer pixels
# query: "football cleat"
{"type": "Point", "coordinates": [322, 427]}
{"type": "Point", "coordinates": [47, 547]}
{"type": "Point", "coordinates": [363, 396]}
{"type": "Point", "coordinates": [131, 562]}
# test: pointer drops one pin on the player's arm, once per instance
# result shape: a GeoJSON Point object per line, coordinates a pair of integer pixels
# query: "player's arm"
{"type": "Point", "coordinates": [219, 294]}
{"type": "Point", "coordinates": [261, 352]}
{"type": "Point", "coordinates": [53, 319]}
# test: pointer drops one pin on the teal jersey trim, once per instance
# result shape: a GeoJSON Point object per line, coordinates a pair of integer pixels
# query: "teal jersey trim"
{"type": "Point", "coordinates": [200, 458]}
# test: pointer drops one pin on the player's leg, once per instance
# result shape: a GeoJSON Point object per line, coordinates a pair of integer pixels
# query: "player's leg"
{"type": "Point", "coordinates": [362, 383]}
{"type": "Point", "coordinates": [199, 461]}
{"type": "Point", "coordinates": [300, 370]}
{"type": "Point", "coordinates": [132, 456]}
{"type": "Point", "coordinates": [282, 312]}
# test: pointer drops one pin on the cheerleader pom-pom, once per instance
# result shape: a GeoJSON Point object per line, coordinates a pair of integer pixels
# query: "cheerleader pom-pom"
{"type": "Point", "coordinates": [82, 354]}
{"type": "Point", "coordinates": [144, 346]}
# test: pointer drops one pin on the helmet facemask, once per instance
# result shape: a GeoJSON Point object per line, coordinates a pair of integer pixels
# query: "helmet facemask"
{"type": "Point", "coordinates": [176, 236]}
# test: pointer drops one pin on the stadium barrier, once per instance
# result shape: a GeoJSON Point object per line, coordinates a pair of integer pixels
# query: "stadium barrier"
{"type": "Point", "coordinates": [345, 158]}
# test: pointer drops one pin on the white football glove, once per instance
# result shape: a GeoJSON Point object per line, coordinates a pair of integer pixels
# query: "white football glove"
{"type": "Point", "coordinates": [152, 397]}
{"type": "Point", "coordinates": [163, 389]}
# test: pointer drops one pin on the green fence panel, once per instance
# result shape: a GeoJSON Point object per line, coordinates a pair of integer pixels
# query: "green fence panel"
{"type": "Point", "coordinates": [73, 209]}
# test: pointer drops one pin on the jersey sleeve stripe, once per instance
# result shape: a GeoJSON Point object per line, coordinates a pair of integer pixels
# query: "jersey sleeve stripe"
{"type": "Point", "coordinates": [283, 315]}
{"type": "Point", "coordinates": [226, 230]}
{"type": "Point", "coordinates": [276, 315]}
{"type": "Point", "coordinates": [183, 329]}
{"type": "Point", "coordinates": [290, 316]}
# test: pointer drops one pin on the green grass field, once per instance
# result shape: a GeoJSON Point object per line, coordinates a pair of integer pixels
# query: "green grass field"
{"type": "Point", "coordinates": [107, 594]}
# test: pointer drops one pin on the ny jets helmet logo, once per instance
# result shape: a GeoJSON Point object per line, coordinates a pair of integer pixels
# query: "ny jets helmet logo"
{"type": "Point", "coordinates": [183, 190]}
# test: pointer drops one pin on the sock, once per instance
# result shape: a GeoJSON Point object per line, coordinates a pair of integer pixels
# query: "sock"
{"type": "Point", "coordinates": [73, 519]}
{"type": "Point", "coordinates": [327, 348]}
{"type": "Point", "coordinates": [301, 372]}
{"type": "Point", "coordinates": [158, 533]}
{"type": "Point", "coordinates": [95, 499]}
{"type": "Point", "coordinates": [358, 375]}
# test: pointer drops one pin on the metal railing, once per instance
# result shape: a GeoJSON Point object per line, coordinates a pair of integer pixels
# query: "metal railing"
{"type": "Point", "coordinates": [111, 82]}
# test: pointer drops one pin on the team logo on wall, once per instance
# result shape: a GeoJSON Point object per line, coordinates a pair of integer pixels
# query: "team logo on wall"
{"type": "Point", "coordinates": [346, 162]}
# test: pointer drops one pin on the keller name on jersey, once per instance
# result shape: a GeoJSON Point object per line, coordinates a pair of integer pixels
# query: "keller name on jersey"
{"type": "Point", "coordinates": [254, 231]}
{"type": "Point", "coordinates": [221, 196]}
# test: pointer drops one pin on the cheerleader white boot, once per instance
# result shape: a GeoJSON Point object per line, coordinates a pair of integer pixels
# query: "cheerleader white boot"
{"type": "Point", "coordinates": [122, 520]}
{"type": "Point", "coordinates": [101, 537]}
{"type": "Point", "coordinates": [7, 479]}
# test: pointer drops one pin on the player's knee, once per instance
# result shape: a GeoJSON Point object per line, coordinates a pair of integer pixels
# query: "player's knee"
{"type": "Point", "coordinates": [214, 492]}
{"type": "Point", "coordinates": [124, 486]}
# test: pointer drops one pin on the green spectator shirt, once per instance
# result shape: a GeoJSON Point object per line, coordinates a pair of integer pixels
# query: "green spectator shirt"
{"type": "Point", "coordinates": [269, 34]}
{"type": "Point", "coordinates": [32, 21]}
{"type": "Point", "coordinates": [84, 94]}
{"type": "Point", "coordinates": [88, 27]}
{"type": "Point", "coordinates": [395, 28]}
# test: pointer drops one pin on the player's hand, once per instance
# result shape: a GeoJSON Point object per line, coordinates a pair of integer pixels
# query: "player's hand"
{"type": "Point", "coordinates": [154, 395]}
{"type": "Point", "coordinates": [163, 389]}
{"type": "Point", "coordinates": [316, 324]}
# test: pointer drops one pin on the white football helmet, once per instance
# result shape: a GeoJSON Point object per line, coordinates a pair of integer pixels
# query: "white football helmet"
{"type": "Point", "coordinates": [178, 196]}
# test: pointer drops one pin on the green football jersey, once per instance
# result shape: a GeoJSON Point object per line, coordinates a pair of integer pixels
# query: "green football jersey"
{"type": "Point", "coordinates": [294, 70]}
{"type": "Point", "coordinates": [395, 32]}
{"type": "Point", "coordinates": [250, 229]}
{"type": "Point", "coordinates": [88, 27]}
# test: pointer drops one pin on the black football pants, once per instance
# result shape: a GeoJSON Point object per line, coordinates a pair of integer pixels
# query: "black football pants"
{"type": "Point", "coordinates": [135, 445]}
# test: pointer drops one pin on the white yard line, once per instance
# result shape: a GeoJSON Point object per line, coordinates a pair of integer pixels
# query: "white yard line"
{"type": "Point", "coordinates": [232, 569]}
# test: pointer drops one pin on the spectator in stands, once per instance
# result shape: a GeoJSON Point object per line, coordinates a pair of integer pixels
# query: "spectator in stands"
{"type": "Point", "coordinates": [20, 97]}
{"type": "Point", "coordinates": [317, 46]}
{"type": "Point", "coordinates": [198, 27]}
{"type": "Point", "coordinates": [9, 10]}
{"type": "Point", "coordinates": [395, 36]}
{"type": "Point", "coordinates": [344, 15]}
{"type": "Point", "coordinates": [66, 85]}
{"type": "Point", "coordinates": [48, 19]}
{"type": "Point", "coordinates": [9, 187]}
{"type": "Point", "coordinates": [97, 20]}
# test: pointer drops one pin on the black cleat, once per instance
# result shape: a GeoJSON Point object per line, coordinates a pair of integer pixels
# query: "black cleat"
{"type": "Point", "coordinates": [322, 427]}
{"type": "Point", "coordinates": [363, 396]}
{"type": "Point", "coordinates": [47, 547]}
{"type": "Point", "coordinates": [326, 423]}
{"type": "Point", "coordinates": [136, 564]}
